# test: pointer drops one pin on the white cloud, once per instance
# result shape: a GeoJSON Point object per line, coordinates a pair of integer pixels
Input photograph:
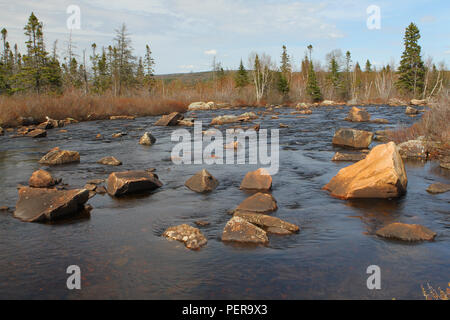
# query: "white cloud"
{"type": "Point", "coordinates": [187, 67]}
{"type": "Point", "coordinates": [211, 52]}
{"type": "Point", "coordinates": [428, 18]}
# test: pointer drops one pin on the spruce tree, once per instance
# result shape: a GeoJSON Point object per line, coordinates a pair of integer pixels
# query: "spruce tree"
{"type": "Point", "coordinates": [312, 86]}
{"type": "Point", "coordinates": [284, 74]}
{"type": "Point", "coordinates": [411, 70]}
{"type": "Point", "coordinates": [241, 77]}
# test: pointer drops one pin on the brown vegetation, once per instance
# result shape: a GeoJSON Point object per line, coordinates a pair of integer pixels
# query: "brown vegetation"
{"type": "Point", "coordinates": [83, 107]}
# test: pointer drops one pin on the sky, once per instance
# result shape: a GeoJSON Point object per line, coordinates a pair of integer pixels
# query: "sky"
{"type": "Point", "coordinates": [185, 35]}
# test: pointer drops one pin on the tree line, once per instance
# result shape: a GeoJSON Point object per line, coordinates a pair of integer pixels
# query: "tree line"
{"type": "Point", "coordinates": [116, 70]}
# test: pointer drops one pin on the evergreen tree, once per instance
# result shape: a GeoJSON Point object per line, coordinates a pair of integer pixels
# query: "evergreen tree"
{"type": "Point", "coordinates": [368, 66]}
{"type": "Point", "coordinates": [334, 75]}
{"type": "Point", "coordinates": [149, 63]}
{"type": "Point", "coordinates": [125, 61]}
{"type": "Point", "coordinates": [411, 70]}
{"type": "Point", "coordinates": [312, 86]}
{"type": "Point", "coordinates": [284, 74]}
{"type": "Point", "coordinates": [241, 77]}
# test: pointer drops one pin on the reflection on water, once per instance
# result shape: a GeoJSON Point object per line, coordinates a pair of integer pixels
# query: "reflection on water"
{"type": "Point", "coordinates": [121, 253]}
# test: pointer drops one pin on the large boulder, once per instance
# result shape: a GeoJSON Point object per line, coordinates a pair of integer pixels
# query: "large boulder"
{"type": "Point", "coordinates": [406, 232]}
{"type": "Point", "coordinates": [269, 223]}
{"type": "Point", "coordinates": [380, 175]}
{"type": "Point", "coordinates": [109, 161]}
{"type": "Point", "coordinates": [438, 187]}
{"type": "Point", "coordinates": [358, 115]}
{"type": "Point", "coordinates": [202, 182]}
{"type": "Point", "coordinates": [41, 179]}
{"type": "Point", "coordinates": [192, 237]}
{"type": "Point", "coordinates": [57, 156]}
{"type": "Point", "coordinates": [240, 230]}
{"type": "Point", "coordinates": [358, 139]}
{"type": "Point", "coordinates": [147, 139]}
{"type": "Point", "coordinates": [257, 180]}
{"type": "Point", "coordinates": [127, 182]}
{"type": "Point", "coordinates": [258, 203]}
{"type": "Point", "coordinates": [39, 204]}
{"type": "Point", "coordinates": [413, 149]}
{"type": "Point", "coordinates": [169, 119]}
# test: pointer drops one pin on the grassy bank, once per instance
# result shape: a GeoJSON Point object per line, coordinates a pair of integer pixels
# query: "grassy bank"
{"type": "Point", "coordinates": [81, 107]}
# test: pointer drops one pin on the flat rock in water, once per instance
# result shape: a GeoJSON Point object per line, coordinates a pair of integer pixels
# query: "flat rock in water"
{"type": "Point", "coordinates": [147, 139]}
{"type": "Point", "coordinates": [240, 230]}
{"type": "Point", "coordinates": [169, 119]}
{"type": "Point", "coordinates": [202, 182]}
{"type": "Point", "coordinates": [265, 222]}
{"type": "Point", "coordinates": [406, 232]}
{"type": "Point", "coordinates": [41, 179]}
{"type": "Point", "coordinates": [358, 139]}
{"type": "Point", "coordinates": [128, 182]}
{"type": "Point", "coordinates": [257, 180]}
{"type": "Point", "coordinates": [380, 175]}
{"type": "Point", "coordinates": [2, 132]}
{"type": "Point", "coordinates": [122, 118]}
{"type": "Point", "coordinates": [109, 161]}
{"type": "Point", "coordinates": [247, 116]}
{"type": "Point", "coordinates": [358, 115]}
{"type": "Point", "coordinates": [192, 237]}
{"type": "Point", "coordinates": [438, 187]}
{"type": "Point", "coordinates": [39, 204]}
{"type": "Point", "coordinates": [37, 133]}
{"type": "Point", "coordinates": [57, 156]}
{"type": "Point", "coordinates": [341, 156]}
{"type": "Point", "coordinates": [258, 203]}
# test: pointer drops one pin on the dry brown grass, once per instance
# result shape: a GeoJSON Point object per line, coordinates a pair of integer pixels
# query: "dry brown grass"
{"type": "Point", "coordinates": [434, 126]}
{"type": "Point", "coordinates": [81, 107]}
{"type": "Point", "coordinates": [432, 294]}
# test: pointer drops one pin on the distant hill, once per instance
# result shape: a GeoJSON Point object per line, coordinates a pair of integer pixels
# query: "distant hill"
{"type": "Point", "coordinates": [190, 77]}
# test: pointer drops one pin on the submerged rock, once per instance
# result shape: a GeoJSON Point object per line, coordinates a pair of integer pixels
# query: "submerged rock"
{"type": "Point", "coordinates": [358, 115]}
{"type": "Point", "coordinates": [380, 175]}
{"type": "Point", "coordinates": [39, 204]}
{"type": "Point", "coordinates": [202, 182]}
{"type": "Point", "coordinates": [41, 179]}
{"type": "Point", "coordinates": [169, 119]}
{"type": "Point", "coordinates": [438, 187]}
{"type": "Point", "coordinates": [406, 232]}
{"type": "Point", "coordinates": [358, 139]}
{"type": "Point", "coordinates": [192, 237]}
{"type": "Point", "coordinates": [147, 139]}
{"type": "Point", "coordinates": [257, 180]}
{"type": "Point", "coordinates": [266, 222]}
{"type": "Point", "coordinates": [341, 156]}
{"type": "Point", "coordinates": [411, 110]}
{"type": "Point", "coordinates": [109, 161]}
{"type": "Point", "coordinates": [57, 156]}
{"type": "Point", "coordinates": [240, 230]}
{"type": "Point", "coordinates": [127, 182]}
{"type": "Point", "coordinates": [258, 203]}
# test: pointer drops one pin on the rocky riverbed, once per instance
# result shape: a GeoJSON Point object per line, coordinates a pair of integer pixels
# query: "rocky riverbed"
{"type": "Point", "coordinates": [313, 246]}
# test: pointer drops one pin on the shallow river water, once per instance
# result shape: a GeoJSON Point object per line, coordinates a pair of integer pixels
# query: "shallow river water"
{"type": "Point", "coordinates": [122, 255]}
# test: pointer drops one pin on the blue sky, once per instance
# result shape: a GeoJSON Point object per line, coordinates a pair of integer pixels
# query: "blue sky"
{"type": "Point", "coordinates": [185, 35]}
